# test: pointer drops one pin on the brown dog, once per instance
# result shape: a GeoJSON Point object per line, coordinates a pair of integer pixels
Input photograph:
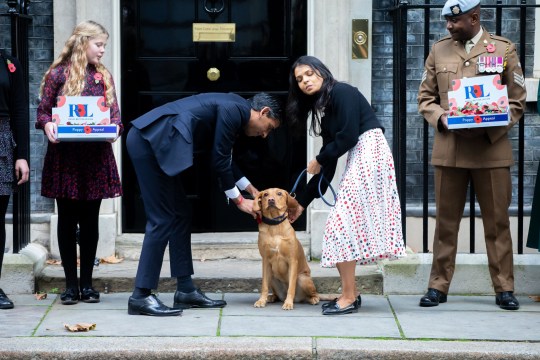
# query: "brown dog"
{"type": "Point", "coordinates": [285, 268]}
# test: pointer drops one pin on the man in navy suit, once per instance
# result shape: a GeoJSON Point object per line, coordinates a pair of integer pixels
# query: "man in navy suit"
{"type": "Point", "coordinates": [161, 144]}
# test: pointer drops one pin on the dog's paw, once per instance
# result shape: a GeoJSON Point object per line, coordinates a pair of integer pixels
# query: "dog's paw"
{"type": "Point", "coordinates": [259, 303]}
{"type": "Point", "coordinates": [272, 298]}
{"type": "Point", "coordinates": [314, 300]}
{"type": "Point", "coordinates": [288, 305]}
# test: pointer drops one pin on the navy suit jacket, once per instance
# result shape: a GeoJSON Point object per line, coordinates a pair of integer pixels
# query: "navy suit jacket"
{"type": "Point", "coordinates": [210, 121]}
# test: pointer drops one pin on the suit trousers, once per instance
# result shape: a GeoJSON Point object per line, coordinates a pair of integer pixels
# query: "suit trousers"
{"type": "Point", "coordinates": [168, 216]}
{"type": "Point", "coordinates": [493, 189]}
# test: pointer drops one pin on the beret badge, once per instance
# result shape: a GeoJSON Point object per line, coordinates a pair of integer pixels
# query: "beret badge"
{"type": "Point", "coordinates": [456, 9]}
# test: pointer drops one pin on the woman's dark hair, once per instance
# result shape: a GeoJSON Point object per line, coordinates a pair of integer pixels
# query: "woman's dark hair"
{"type": "Point", "coordinates": [299, 105]}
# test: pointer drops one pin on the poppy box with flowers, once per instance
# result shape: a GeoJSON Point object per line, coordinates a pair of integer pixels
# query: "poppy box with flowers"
{"type": "Point", "coordinates": [83, 118]}
{"type": "Point", "coordinates": [480, 101]}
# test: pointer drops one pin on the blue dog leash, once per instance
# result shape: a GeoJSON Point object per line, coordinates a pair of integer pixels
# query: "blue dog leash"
{"type": "Point", "coordinates": [319, 186]}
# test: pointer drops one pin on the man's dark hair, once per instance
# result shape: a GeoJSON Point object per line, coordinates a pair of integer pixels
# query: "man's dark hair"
{"type": "Point", "coordinates": [261, 100]}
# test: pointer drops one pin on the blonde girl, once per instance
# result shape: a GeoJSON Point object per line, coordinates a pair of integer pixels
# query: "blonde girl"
{"type": "Point", "coordinates": [79, 174]}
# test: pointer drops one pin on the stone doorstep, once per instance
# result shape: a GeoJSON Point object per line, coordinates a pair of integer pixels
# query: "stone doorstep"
{"type": "Point", "coordinates": [405, 276]}
{"type": "Point", "coordinates": [227, 262]}
{"type": "Point", "coordinates": [226, 275]}
{"type": "Point", "coordinates": [233, 271]}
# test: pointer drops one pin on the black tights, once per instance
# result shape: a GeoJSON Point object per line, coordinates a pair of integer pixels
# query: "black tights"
{"type": "Point", "coordinates": [4, 201]}
{"type": "Point", "coordinates": [86, 214]}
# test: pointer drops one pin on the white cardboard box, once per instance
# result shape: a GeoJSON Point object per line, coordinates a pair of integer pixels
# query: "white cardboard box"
{"type": "Point", "coordinates": [480, 101]}
{"type": "Point", "coordinates": [83, 118]}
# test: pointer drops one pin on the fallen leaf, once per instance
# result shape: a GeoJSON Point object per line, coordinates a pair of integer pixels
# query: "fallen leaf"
{"type": "Point", "coordinates": [111, 260]}
{"type": "Point", "coordinates": [40, 296]}
{"type": "Point", "coordinates": [535, 298]}
{"type": "Point", "coordinates": [53, 262]}
{"type": "Point", "coordinates": [80, 327]}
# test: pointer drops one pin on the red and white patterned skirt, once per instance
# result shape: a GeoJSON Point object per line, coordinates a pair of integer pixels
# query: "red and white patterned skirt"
{"type": "Point", "coordinates": [365, 224]}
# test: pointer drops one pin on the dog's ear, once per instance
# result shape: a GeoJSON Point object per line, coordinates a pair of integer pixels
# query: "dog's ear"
{"type": "Point", "coordinates": [257, 202]}
{"type": "Point", "coordinates": [291, 201]}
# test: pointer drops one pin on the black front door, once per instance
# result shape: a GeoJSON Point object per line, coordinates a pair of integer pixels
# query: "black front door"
{"type": "Point", "coordinates": [162, 63]}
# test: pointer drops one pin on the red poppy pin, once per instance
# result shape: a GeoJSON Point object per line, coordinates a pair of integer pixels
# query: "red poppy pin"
{"type": "Point", "coordinates": [11, 66]}
{"type": "Point", "coordinates": [491, 48]}
{"type": "Point", "coordinates": [87, 130]}
{"type": "Point", "coordinates": [98, 77]}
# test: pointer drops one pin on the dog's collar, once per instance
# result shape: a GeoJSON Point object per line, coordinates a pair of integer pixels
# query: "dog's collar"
{"type": "Point", "coordinates": [275, 221]}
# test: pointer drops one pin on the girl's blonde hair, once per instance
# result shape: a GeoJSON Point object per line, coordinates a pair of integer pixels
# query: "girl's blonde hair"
{"type": "Point", "coordinates": [74, 54]}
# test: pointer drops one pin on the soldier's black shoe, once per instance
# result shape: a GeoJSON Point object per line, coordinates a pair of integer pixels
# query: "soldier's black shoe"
{"type": "Point", "coordinates": [433, 297]}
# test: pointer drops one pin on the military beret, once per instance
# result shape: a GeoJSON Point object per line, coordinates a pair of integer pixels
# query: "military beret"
{"type": "Point", "coordinates": [458, 7]}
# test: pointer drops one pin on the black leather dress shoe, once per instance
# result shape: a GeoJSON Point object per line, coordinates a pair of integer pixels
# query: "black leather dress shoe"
{"type": "Point", "coordinates": [70, 296]}
{"type": "Point", "coordinates": [150, 305]}
{"type": "Point", "coordinates": [330, 303]}
{"type": "Point", "coordinates": [506, 300]}
{"type": "Point", "coordinates": [5, 303]}
{"type": "Point", "coordinates": [334, 309]}
{"type": "Point", "coordinates": [89, 295]}
{"type": "Point", "coordinates": [195, 299]}
{"type": "Point", "coordinates": [433, 297]}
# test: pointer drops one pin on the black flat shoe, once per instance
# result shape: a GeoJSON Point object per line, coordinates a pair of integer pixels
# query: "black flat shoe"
{"type": "Point", "coordinates": [150, 305]}
{"type": "Point", "coordinates": [5, 303]}
{"type": "Point", "coordinates": [433, 297]}
{"type": "Point", "coordinates": [330, 303]}
{"type": "Point", "coordinates": [89, 295]}
{"type": "Point", "coordinates": [336, 310]}
{"type": "Point", "coordinates": [506, 300]}
{"type": "Point", "coordinates": [195, 299]}
{"type": "Point", "coordinates": [70, 296]}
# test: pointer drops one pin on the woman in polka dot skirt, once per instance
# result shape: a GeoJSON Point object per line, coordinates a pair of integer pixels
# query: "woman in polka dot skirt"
{"type": "Point", "coordinates": [364, 226]}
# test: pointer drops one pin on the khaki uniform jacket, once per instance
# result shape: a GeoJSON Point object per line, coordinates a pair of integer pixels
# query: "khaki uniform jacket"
{"type": "Point", "coordinates": [448, 61]}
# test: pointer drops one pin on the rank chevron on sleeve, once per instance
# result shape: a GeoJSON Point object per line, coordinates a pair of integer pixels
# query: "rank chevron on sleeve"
{"type": "Point", "coordinates": [519, 79]}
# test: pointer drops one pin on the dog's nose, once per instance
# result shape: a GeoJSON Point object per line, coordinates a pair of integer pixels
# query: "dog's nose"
{"type": "Point", "coordinates": [271, 201]}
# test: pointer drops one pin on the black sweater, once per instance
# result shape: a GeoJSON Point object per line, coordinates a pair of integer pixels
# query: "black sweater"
{"type": "Point", "coordinates": [346, 116]}
{"type": "Point", "coordinates": [13, 97]}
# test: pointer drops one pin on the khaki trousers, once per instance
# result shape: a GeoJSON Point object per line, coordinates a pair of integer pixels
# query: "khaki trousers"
{"type": "Point", "coordinates": [493, 189]}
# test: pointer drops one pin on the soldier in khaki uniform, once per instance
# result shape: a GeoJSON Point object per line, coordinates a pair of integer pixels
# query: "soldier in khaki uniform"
{"type": "Point", "coordinates": [483, 155]}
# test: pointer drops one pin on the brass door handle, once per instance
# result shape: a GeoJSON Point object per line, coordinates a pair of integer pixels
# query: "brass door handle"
{"type": "Point", "coordinates": [213, 74]}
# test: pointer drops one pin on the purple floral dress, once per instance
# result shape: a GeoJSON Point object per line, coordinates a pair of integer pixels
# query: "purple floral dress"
{"type": "Point", "coordinates": [78, 170]}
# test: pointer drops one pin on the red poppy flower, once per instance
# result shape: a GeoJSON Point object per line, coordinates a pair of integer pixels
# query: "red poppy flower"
{"type": "Point", "coordinates": [60, 101]}
{"type": "Point", "coordinates": [477, 119]}
{"type": "Point", "coordinates": [490, 48]}
{"type": "Point", "coordinates": [87, 129]}
{"type": "Point", "coordinates": [11, 66]}
{"type": "Point", "coordinates": [102, 104]}
{"type": "Point", "coordinates": [98, 77]}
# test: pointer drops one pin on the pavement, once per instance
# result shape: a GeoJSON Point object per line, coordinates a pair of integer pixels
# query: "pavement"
{"type": "Point", "coordinates": [385, 327]}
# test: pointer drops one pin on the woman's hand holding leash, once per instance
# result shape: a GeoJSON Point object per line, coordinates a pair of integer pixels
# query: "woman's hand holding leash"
{"type": "Point", "coordinates": [313, 167]}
